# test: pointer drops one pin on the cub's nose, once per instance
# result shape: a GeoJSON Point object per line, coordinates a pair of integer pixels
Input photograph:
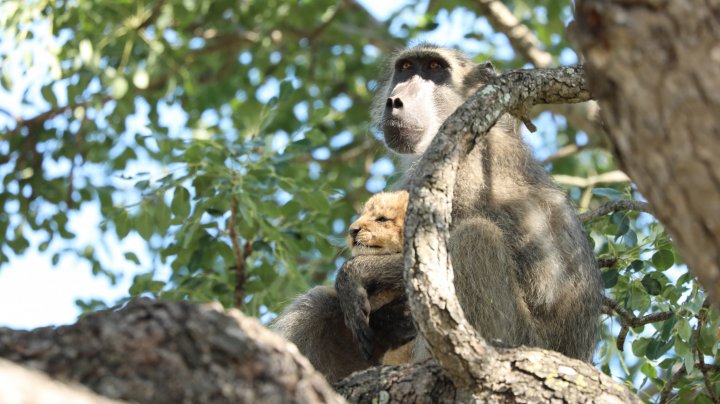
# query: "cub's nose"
{"type": "Point", "coordinates": [353, 232]}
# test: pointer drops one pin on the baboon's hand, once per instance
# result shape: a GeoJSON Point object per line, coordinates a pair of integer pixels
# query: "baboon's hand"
{"type": "Point", "coordinates": [355, 306]}
{"type": "Point", "coordinates": [393, 324]}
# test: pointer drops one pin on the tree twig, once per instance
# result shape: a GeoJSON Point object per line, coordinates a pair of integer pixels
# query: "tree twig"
{"type": "Point", "coordinates": [665, 393]}
{"type": "Point", "coordinates": [522, 40]}
{"type": "Point", "coordinates": [614, 206]}
{"type": "Point", "coordinates": [565, 151]}
{"type": "Point", "coordinates": [701, 318]}
{"type": "Point", "coordinates": [629, 320]}
{"type": "Point", "coordinates": [581, 182]}
{"type": "Point", "coordinates": [240, 258]}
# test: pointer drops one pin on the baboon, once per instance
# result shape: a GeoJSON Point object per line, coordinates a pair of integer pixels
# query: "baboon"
{"type": "Point", "coordinates": [524, 271]}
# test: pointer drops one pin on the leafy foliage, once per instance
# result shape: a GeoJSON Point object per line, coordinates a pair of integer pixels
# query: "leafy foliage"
{"type": "Point", "coordinates": [187, 122]}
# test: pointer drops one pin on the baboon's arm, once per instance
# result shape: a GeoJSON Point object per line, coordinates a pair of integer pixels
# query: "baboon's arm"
{"type": "Point", "coordinates": [368, 279]}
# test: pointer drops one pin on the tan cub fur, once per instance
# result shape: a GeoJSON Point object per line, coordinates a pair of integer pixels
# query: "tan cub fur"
{"type": "Point", "coordinates": [379, 230]}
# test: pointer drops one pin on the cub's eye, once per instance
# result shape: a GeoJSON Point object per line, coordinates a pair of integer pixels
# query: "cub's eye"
{"type": "Point", "coordinates": [405, 65]}
{"type": "Point", "coordinates": [434, 65]}
{"type": "Point", "coordinates": [382, 219]}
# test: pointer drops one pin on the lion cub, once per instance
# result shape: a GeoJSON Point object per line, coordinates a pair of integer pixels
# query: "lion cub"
{"type": "Point", "coordinates": [379, 231]}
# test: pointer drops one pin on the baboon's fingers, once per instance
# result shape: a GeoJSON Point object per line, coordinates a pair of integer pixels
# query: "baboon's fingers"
{"type": "Point", "coordinates": [393, 323]}
{"type": "Point", "coordinates": [364, 337]}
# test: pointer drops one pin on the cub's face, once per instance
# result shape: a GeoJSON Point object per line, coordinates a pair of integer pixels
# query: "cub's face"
{"type": "Point", "coordinates": [379, 229]}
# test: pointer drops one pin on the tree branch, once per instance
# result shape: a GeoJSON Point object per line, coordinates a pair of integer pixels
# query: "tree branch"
{"type": "Point", "coordinates": [629, 320]}
{"type": "Point", "coordinates": [701, 319]}
{"type": "Point", "coordinates": [582, 116]}
{"type": "Point", "coordinates": [614, 206]}
{"type": "Point", "coordinates": [665, 393]}
{"type": "Point", "coordinates": [582, 182]}
{"type": "Point", "coordinates": [152, 351]}
{"type": "Point", "coordinates": [521, 38]}
{"type": "Point", "coordinates": [525, 375]}
{"type": "Point", "coordinates": [240, 258]}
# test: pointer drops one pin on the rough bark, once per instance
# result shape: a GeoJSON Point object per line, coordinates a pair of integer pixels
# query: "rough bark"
{"type": "Point", "coordinates": [27, 386]}
{"type": "Point", "coordinates": [171, 352]}
{"type": "Point", "coordinates": [653, 65]}
{"type": "Point", "coordinates": [517, 375]}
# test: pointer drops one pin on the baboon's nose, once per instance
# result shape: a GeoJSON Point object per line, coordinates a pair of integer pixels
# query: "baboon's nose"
{"type": "Point", "coordinates": [394, 103]}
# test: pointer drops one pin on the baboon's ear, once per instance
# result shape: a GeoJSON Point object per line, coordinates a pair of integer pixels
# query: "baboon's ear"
{"type": "Point", "coordinates": [480, 74]}
{"type": "Point", "coordinates": [489, 67]}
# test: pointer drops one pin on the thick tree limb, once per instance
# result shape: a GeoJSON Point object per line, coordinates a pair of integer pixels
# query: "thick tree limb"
{"type": "Point", "coordinates": [461, 351]}
{"type": "Point", "coordinates": [520, 375]}
{"type": "Point", "coordinates": [653, 66]}
{"type": "Point", "coordinates": [171, 352]}
{"type": "Point", "coordinates": [23, 385]}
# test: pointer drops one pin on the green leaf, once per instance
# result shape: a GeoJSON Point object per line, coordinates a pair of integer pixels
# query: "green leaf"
{"type": "Point", "coordinates": [636, 265]}
{"type": "Point", "coordinates": [131, 256]}
{"type": "Point", "coordinates": [286, 88]}
{"type": "Point", "coordinates": [316, 137]}
{"type": "Point", "coordinates": [657, 348]}
{"type": "Point", "coordinates": [162, 217]}
{"type": "Point", "coordinates": [684, 330]}
{"type": "Point", "coordinates": [663, 259]}
{"type": "Point", "coordinates": [609, 193]}
{"type": "Point", "coordinates": [610, 278]}
{"type": "Point", "coordinates": [652, 286]}
{"type": "Point", "coordinates": [122, 224]}
{"type": "Point", "coordinates": [640, 345]}
{"type": "Point", "coordinates": [623, 226]}
{"type": "Point", "coordinates": [181, 202]}
{"type": "Point", "coordinates": [648, 370]}
{"type": "Point", "coordinates": [630, 238]}
{"type": "Point", "coordinates": [144, 223]}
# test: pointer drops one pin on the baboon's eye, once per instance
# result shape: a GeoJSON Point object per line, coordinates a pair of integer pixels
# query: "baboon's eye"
{"type": "Point", "coordinates": [382, 219]}
{"type": "Point", "coordinates": [405, 65]}
{"type": "Point", "coordinates": [434, 65]}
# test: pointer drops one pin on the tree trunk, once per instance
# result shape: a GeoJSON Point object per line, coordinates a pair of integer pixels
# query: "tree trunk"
{"type": "Point", "coordinates": [653, 65]}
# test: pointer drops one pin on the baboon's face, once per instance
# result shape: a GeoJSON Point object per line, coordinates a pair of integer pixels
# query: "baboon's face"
{"type": "Point", "coordinates": [427, 85]}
